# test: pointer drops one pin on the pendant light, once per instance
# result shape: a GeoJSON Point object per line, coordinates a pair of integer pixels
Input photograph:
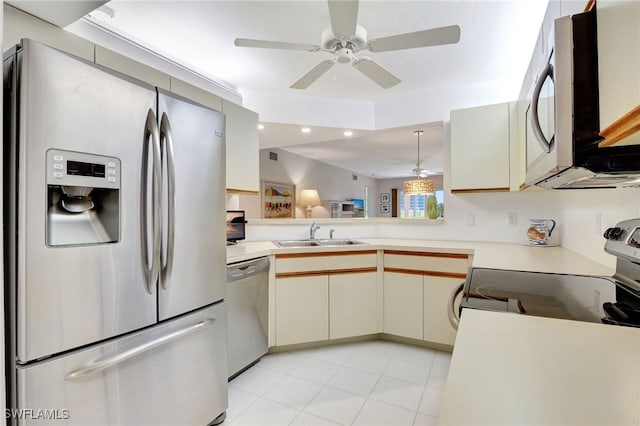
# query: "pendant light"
{"type": "Point", "coordinates": [419, 185]}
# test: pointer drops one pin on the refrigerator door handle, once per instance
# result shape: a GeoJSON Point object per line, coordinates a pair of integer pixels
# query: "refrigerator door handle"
{"type": "Point", "coordinates": [101, 364]}
{"type": "Point", "coordinates": [167, 149]}
{"type": "Point", "coordinates": [151, 142]}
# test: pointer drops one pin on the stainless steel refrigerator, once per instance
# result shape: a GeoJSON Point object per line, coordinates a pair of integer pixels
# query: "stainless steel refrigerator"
{"type": "Point", "coordinates": [115, 247]}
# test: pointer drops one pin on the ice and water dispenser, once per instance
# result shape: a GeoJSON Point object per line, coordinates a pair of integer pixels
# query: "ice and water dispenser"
{"type": "Point", "coordinates": [83, 198]}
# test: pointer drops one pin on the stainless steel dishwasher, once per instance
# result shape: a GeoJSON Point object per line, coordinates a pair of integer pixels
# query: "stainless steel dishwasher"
{"type": "Point", "coordinates": [247, 296]}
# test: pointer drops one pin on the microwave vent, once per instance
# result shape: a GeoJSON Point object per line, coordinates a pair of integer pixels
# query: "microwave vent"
{"type": "Point", "coordinates": [604, 181]}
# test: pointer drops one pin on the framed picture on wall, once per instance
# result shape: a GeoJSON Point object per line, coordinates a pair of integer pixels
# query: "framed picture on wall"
{"type": "Point", "coordinates": [277, 200]}
{"type": "Point", "coordinates": [384, 208]}
{"type": "Point", "coordinates": [385, 197]}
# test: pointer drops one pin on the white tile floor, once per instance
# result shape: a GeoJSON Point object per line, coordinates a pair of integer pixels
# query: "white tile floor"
{"type": "Point", "coordinates": [366, 383]}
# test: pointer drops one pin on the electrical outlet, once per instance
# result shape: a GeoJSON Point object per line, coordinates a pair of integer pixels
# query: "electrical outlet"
{"type": "Point", "coordinates": [471, 219]}
{"type": "Point", "coordinates": [513, 218]}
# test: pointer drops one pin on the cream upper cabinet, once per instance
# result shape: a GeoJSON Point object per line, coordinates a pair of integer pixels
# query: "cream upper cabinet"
{"type": "Point", "coordinates": [197, 94]}
{"type": "Point", "coordinates": [481, 148]}
{"type": "Point", "coordinates": [619, 71]}
{"type": "Point", "coordinates": [243, 150]}
{"type": "Point", "coordinates": [130, 67]}
{"type": "Point", "coordinates": [19, 25]}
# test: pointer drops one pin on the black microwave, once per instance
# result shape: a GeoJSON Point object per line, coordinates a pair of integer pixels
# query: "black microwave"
{"type": "Point", "coordinates": [235, 225]}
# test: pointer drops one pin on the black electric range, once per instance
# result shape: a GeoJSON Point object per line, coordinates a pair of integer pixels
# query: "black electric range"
{"type": "Point", "coordinates": [611, 300]}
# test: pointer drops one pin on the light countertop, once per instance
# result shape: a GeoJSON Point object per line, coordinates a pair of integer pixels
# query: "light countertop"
{"type": "Point", "coordinates": [523, 370]}
{"type": "Point", "coordinates": [486, 255]}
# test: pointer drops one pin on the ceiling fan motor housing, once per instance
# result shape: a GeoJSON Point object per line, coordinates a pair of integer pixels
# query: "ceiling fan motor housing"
{"type": "Point", "coordinates": [335, 44]}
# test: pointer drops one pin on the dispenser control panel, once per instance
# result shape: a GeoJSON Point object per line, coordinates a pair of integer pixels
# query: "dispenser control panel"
{"type": "Point", "coordinates": [72, 168]}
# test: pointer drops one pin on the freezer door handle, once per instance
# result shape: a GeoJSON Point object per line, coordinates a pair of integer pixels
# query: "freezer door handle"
{"type": "Point", "coordinates": [166, 136]}
{"type": "Point", "coordinates": [151, 143]}
{"type": "Point", "coordinates": [100, 364]}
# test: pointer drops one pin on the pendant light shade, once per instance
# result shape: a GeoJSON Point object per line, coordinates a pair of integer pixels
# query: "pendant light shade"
{"type": "Point", "coordinates": [418, 185]}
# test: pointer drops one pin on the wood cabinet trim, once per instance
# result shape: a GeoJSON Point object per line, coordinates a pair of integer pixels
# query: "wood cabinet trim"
{"type": "Point", "coordinates": [242, 191]}
{"type": "Point", "coordinates": [325, 272]}
{"type": "Point", "coordinates": [427, 273]}
{"type": "Point", "coordinates": [469, 191]}
{"type": "Point", "coordinates": [427, 254]}
{"type": "Point", "coordinates": [324, 254]}
{"type": "Point", "coordinates": [590, 5]}
{"type": "Point", "coordinates": [445, 274]}
{"type": "Point", "coordinates": [625, 126]}
{"type": "Point", "coordinates": [404, 271]}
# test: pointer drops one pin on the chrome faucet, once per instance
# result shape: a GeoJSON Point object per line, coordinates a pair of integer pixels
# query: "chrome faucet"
{"type": "Point", "coordinates": [331, 234]}
{"type": "Point", "coordinates": [312, 231]}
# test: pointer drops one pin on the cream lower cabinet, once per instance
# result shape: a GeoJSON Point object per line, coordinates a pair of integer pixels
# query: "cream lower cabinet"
{"type": "Point", "coordinates": [321, 296]}
{"type": "Point", "coordinates": [403, 304]}
{"type": "Point", "coordinates": [436, 321]}
{"type": "Point", "coordinates": [353, 304]}
{"type": "Point", "coordinates": [302, 309]}
{"type": "Point", "coordinates": [417, 286]}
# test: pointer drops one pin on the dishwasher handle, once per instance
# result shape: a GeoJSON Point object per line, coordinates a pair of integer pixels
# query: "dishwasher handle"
{"type": "Point", "coordinates": [238, 271]}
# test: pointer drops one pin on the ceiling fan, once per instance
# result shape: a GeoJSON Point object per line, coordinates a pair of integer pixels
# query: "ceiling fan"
{"type": "Point", "coordinates": [345, 38]}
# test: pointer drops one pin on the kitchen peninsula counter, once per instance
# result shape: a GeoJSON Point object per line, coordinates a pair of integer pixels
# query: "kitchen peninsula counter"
{"type": "Point", "coordinates": [510, 256]}
{"type": "Point", "coordinates": [523, 370]}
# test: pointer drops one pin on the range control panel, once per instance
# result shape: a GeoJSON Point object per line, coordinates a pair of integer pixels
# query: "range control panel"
{"type": "Point", "coordinates": [72, 168]}
{"type": "Point", "coordinates": [623, 240]}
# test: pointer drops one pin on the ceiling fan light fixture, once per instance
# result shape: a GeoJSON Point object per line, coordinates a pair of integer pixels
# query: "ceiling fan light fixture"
{"type": "Point", "coordinates": [418, 186]}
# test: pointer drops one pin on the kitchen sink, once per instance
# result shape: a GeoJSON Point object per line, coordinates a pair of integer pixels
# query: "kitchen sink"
{"type": "Point", "coordinates": [338, 242]}
{"type": "Point", "coordinates": [296, 243]}
{"type": "Point", "coordinates": [316, 243]}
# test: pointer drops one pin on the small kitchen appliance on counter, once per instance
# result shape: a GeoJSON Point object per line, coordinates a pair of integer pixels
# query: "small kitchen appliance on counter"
{"type": "Point", "coordinates": [610, 300]}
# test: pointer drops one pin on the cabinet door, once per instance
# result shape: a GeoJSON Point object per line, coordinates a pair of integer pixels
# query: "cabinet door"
{"type": "Point", "coordinates": [436, 297]}
{"type": "Point", "coordinates": [243, 151]}
{"type": "Point", "coordinates": [353, 304]}
{"type": "Point", "coordinates": [480, 148]}
{"type": "Point", "coordinates": [197, 94]}
{"type": "Point", "coordinates": [302, 309]}
{"type": "Point", "coordinates": [619, 68]}
{"type": "Point", "coordinates": [132, 68]}
{"type": "Point", "coordinates": [403, 304]}
{"type": "Point", "coordinates": [19, 25]}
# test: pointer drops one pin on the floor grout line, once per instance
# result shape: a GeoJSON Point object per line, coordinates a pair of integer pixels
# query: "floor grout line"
{"type": "Point", "coordinates": [340, 364]}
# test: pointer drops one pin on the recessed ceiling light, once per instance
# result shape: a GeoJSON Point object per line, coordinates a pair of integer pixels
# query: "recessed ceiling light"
{"type": "Point", "coordinates": [306, 130]}
{"type": "Point", "coordinates": [348, 133]}
{"type": "Point", "coordinates": [260, 126]}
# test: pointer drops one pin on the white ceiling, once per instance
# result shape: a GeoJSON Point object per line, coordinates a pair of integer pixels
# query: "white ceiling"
{"type": "Point", "coordinates": [381, 154]}
{"type": "Point", "coordinates": [497, 39]}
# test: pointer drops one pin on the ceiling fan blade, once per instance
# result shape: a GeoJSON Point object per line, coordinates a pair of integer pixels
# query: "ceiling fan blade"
{"type": "Point", "coordinates": [344, 17]}
{"type": "Point", "coordinates": [376, 72]}
{"type": "Point", "coordinates": [313, 74]}
{"type": "Point", "coordinates": [424, 38]}
{"type": "Point", "coordinates": [264, 44]}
